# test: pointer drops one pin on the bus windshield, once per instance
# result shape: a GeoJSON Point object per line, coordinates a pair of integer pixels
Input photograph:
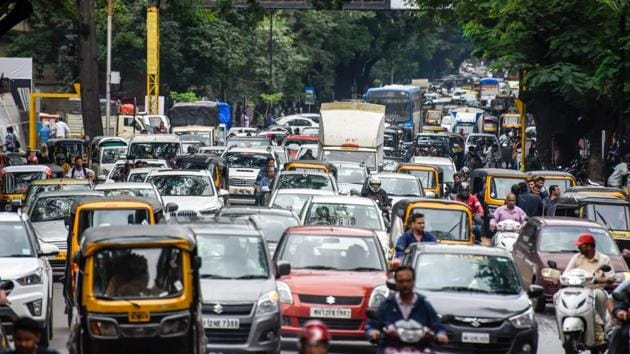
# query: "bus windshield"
{"type": "Point", "coordinates": [397, 109]}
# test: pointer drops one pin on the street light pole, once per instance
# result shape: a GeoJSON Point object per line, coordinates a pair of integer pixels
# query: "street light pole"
{"type": "Point", "coordinates": [108, 75]}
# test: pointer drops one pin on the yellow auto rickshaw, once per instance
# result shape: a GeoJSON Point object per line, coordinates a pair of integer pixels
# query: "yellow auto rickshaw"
{"type": "Point", "coordinates": [216, 165]}
{"type": "Point", "coordinates": [600, 190]}
{"type": "Point", "coordinates": [448, 220]}
{"type": "Point", "coordinates": [64, 151]}
{"type": "Point", "coordinates": [138, 291]}
{"type": "Point", "coordinates": [563, 180]}
{"type": "Point", "coordinates": [311, 165]}
{"type": "Point", "coordinates": [105, 211]}
{"type": "Point", "coordinates": [510, 121]}
{"type": "Point", "coordinates": [430, 176]}
{"type": "Point", "coordinates": [14, 182]}
{"type": "Point", "coordinates": [433, 118]}
{"type": "Point", "coordinates": [433, 129]}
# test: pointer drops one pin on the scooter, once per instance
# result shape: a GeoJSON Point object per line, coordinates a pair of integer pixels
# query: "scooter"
{"type": "Point", "coordinates": [506, 235]}
{"type": "Point", "coordinates": [575, 311]}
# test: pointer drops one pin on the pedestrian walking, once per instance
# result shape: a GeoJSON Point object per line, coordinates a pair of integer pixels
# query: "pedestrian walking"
{"type": "Point", "coordinates": [62, 130]}
{"type": "Point", "coordinates": [44, 133]}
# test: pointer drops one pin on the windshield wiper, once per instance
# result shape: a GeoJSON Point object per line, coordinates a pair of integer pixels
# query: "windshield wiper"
{"type": "Point", "coordinates": [252, 276]}
{"type": "Point", "coordinates": [364, 269]}
{"type": "Point", "coordinates": [104, 297]}
{"type": "Point", "coordinates": [19, 255]}
{"type": "Point", "coordinates": [604, 220]}
{"type": "Point", "coordinates": [453, 228]}
{"type": "Point", "coordinates": [320, 267]}
{"type": "Point", "coordinates": [213, 276]}
{"type": "Point", "coordinates": [461, 288]}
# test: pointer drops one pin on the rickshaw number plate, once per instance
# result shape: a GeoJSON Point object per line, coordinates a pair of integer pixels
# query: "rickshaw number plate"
{"type": "Point", "coordinates": [222, 323]}
{"type": "Point", "coordinates": [468, 337]}
{"type": "Point", "coordinates": [331, 312]}
{"type": "Point", "coordinates": [139, 316]}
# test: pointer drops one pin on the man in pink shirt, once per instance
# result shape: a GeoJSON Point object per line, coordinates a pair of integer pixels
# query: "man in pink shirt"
{"type": "Point", "coordinates": [509, 211]}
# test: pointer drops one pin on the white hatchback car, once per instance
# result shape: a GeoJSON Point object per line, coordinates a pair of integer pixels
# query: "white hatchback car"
{"type": "Point", "coordinates": [25, 274]}
{"type": "Point", "coordinates": [192, 191]}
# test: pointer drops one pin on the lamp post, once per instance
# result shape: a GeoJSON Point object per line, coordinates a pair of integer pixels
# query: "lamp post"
{"type": "Point", "coordinates": [108, 74]}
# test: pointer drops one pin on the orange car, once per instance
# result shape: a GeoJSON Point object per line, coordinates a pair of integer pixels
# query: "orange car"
{"type": "Point", "coordinates": [298, 140]}
{"type": "Point", "coordinates": [336, 274]}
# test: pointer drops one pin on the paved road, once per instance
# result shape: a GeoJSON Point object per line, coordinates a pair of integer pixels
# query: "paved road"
{"type": "Point", "coordinates": [548, 339]}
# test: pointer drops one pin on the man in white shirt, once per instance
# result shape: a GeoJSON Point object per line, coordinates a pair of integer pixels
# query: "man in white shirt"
{"type": "Point", "coordinates": [618, 174]}
{"type": "Point", "coordinates": [78, 171]}
{"type": "Point", "coordinates": [61, 129]}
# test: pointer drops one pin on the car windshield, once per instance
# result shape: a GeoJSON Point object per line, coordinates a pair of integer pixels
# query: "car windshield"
{"type": "Point", "coordinates": [501, 186]}
{"type": "Point", "coordinates": [110, 217]}
{"type": "Point", "coordinates": [561, 239]}
{"type": "Point", "coordinates": [138, 273]}
{"type": "Point", "coordinates": [445, 224]}
{"type": "Point", "coordinates": [35, 189]}
{"type": "Point", "coordinates": [291, 201]}
{"type": "Point", "coordinates": [182, 186]}
{"type": "Point", "coordinates": [15, 242]}
{"type": "Point", "coordinates": [467, 273]}
{"type": "Point", "coordinates": [563, 184]}
{"type": "Point", "coordinates": [475, 139]}
{"type": "Point", "coordinates": [351, 175]}
{"type": "Point", "coordinates": [248, 143]}
{"type": "Point", "coordinates": [615, 217]}
{"type": "Point", "coordinates": [401, 187]}
{"type": "Point", "coordinates": [18, 182]}
{"type": "Point", "coordinates": [232, 257]}
{"type": "Point", "coordinates": [153, 150]}
{"type": "Point", "coordinates": [369, 158]}
{"type": "Point", "coordinates": [427, 178]}
{"type": "Point", "coordinates": [332, 253]}
{"type": "Point", "coordinates": [112, 154]}
{"type": "Point", "coordinates": [52, 208]}
{"type": "Point", "coordinates": [354, 215]}
{"type": "Point", "coordinates": [245, 159]}
{"type": "Point", "coordinates": [137, 176]}
{"type": "Point", "coordinates": [303, 181]}
{"type": "Point", "coordinates": [146, 193]}
{"type": "Point", "coordinates": [271, 226]}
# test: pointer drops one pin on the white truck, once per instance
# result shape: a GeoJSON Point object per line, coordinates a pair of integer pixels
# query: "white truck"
{"type": "Point", "coordinates": [352, 132]}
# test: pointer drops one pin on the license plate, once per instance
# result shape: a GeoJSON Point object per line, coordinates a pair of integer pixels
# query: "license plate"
{"type": "Point", "coordinates": [241, 191]}
{"type": "Point", "coordinates": [331, 312]}
{"type": "Point", "coordinates": [483, 338]}
{"type": "Point", "coordinates": [222, 323]}
{"type": "Point", "coordinates": [61, 255]}
{"type": "Point", "coordinates": [139, 316]}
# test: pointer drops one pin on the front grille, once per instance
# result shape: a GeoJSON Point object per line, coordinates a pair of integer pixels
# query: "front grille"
{"type": "Point", "coordinates": [61, 244]}
{"type": "Point", "coordinates": [135, 331]}
{"type": "Point", "coordinates": [229, 336]}
{"type": "Point", "coordinates": [227, 309]}
{"type": "Point", "coordinates": [334, 323]}
{"type": "Point", "coordinates": [184, 213]}
{"type": "Point", "coordinates": [328, 300]}
{"type": "Point", "coordinates": [7, 286]}
{"type": "Point", "coordinates": [476, 322]}
{"type": "Point", "coordinates": [57, 263]}
{"type": "Point", "coordinates": [242, 182]}
{"type": "Point", "coordinates": [497, 345]}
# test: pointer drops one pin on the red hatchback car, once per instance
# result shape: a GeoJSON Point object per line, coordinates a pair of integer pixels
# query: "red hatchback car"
{"type": "Point", "coordinates": [336, 274]}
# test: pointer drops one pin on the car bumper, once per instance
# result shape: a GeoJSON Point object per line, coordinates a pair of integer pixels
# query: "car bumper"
{"type": "Point", "coordinates": [350, 331]}
{"type": "Point", "coordinates": [257, 334]}
{"type": "Point", "coordinates": [504, 339]}
{"type": "Point", "coordinates": [8, 316]}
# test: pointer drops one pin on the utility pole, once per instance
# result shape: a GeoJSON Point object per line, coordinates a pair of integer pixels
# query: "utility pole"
{"type": "Point", "coordinates": [108, 75]}
{"type": "Point", "coordinates": [88, 70]}
{"type": "Point", "coordinates": [153, 57]}
{"type": "Point", "coordinates": [270, 52]}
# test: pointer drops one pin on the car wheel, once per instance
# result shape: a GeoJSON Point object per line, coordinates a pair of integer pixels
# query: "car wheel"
{"type": "Point", "coordinates": [539, 304]}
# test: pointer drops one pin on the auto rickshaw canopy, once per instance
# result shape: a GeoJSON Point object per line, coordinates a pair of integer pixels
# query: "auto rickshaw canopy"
{"type": "Point", "coordinates": [600, 190]}
{"type": "Point", "coordinates": [302, 165]}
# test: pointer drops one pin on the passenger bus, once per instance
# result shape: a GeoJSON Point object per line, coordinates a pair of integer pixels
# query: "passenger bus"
{"type": "Point", "coordinates": [403, 106]}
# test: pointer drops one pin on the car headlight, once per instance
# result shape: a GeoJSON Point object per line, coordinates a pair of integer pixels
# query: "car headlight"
{"type": "Point", "coordinates": [268, 303]}
{"type": "Point", "coordinates": [524, 320]}
{"type": "Point", "coordinates": [284, 292]}
{"type": "Point", "coordinates": [379, 294]}
{"type": "Point", "coordinates": [31, 279]}
{"type": "Point", "coordinates": [550, 273]}
{"type": "Point", "coordinates": [174, 326]}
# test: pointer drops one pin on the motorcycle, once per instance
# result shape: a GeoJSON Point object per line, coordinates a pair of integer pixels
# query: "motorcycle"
{"type": "Point", "coordinates": [404, 337]}
{"type": "Point", "coordinates": [506, 235]}
{"type": "Point", "coordinates": [575, 310]}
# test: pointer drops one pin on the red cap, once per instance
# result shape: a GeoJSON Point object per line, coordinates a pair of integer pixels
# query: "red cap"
{"type": "Point", "coordinates": [585, 238]}
{"type": "Point", "coordinates": [314, 331]}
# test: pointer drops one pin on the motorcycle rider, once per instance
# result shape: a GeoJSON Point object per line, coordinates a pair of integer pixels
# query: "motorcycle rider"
{"type": "Point", "coordinates": [375, 192]}
{"type": "Point", "coordinates": [464, 196]}
{"type": "Point", "coordinates": [509, 211]}
{"type": "Point", "coordinates": [264, 184]}
{"type": "Point", "coordinates": [415, 234]}
{"type": "Point", "coordinates": [590, 260]}
{"type": "Point", "coordinates": [619, 306]}
{"type": "Point", "coordinates": [314, 338]}
{"type": "Point", "coordinates": [405, 304]}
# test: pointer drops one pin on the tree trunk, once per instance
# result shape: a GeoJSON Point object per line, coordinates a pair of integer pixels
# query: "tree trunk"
{"type": "Point", "coordinates": [88, 70]}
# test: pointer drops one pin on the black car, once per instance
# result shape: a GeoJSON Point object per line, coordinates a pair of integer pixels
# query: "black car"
{"type": "Point", "coordinates": [479, 296]}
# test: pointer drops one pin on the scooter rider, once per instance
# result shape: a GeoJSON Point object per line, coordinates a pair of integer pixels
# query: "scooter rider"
{"type": "Point", "coordinates": [464, 196]}
{"type": "Point", "coordinates": [415, 234]}
{"type": "Point", "coordinates": [590, 260]}
{"type": "Point", "coordinates": [314, 338]}
{"type": "Point", "coordinates": [405, 304]}
{"type": "Point", "coordinates": [619, 306]}
{"type": "Point", "coordinates": [375, 192]}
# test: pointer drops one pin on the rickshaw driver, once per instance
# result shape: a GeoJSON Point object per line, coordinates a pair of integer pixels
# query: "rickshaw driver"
{"type": "Point", "coordinates": [131, 277]}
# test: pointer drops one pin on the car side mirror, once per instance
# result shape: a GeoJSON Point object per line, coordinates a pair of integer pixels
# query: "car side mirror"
{"type": "Point", "coordinates": [391, 284]}
{"type": "Point", "coordinates": [47, 249]}
{"type": "Point", "coordinates": [196, 264]}
{"type": "Point", "coordinates": [171, 207]}
{"type": "Point", "coordinates": [535, 291]}
{"type": "Point", "coordinates": [284, 268]}
{"type": "Point", "coordinates": [552, 264]}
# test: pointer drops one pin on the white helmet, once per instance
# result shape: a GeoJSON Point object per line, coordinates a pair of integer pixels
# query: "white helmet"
{"type": "Point", "coordinates": [374, 183]}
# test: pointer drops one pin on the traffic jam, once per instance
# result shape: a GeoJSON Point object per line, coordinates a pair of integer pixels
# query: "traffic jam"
{"type": "Point", "coordinates": [417, 220]}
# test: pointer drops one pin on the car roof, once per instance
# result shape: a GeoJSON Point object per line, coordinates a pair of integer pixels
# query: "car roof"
{"type": "Point", "coordinates": [232, 228]}
{"type": "Point", "coordinates": [305, 191]}
{"type": "Point", "coordinates": [329, 231]}
{"type": "Point", "coordinates": [147, 138]}
{"type": "Point", "coordinates": [10, 217]}
{"type": "Point", "coordinates": [68, 180]}
{"type": "Point", "coordinates": [142, 170]}
{"type": "Point", "coordinates": [121, 185]}
{"type": "Point", "coordinates": [262, 150]}
{"type": "Point", "coordinates": [565, 221]}
{"type": "Point", "coordinates": [26, 168]}
{"type": "Point", "coordinates": [393, 175]}
{"type": "Point", "coordinates": [122, 162]}
{"type": "Point", "coordinates": [305, 172]}
{"type": "Point", "coordinates": [425, 247]}
{"type": "Point", "coordinates": [433, 159]}
{"type": "Point", "coordinates": [256, 210]}
{"type": "Point", "coordinates": [342, 199]}
{"type": "Point", "coordinates": [70, 193]}
{"type": "Point", "coordinates": [171, 172]}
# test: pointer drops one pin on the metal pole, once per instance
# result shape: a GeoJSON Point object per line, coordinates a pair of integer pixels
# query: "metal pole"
{"type": "Point", "coordinates": [271, 51]}
{"type": "Point", "coordinates": [108, 75]}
